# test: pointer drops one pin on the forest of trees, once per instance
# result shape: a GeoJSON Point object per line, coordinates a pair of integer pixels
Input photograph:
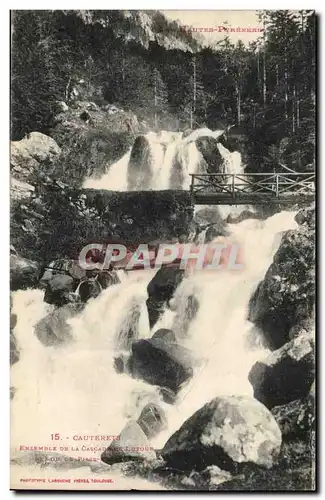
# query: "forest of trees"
{"type": "Point", "coordinates": [265, 90]}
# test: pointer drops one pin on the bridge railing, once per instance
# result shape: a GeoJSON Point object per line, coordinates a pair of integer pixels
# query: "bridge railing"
{"type": "Point", "coordinates": [239, 185]}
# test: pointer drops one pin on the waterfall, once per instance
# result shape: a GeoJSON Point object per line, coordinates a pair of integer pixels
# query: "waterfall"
{"type": "Point", "coordinates": [172, 159]}
{"type": "Point", "coordinates": [74, 390]}
{"type": "Point", "coordinates": [115, 179]}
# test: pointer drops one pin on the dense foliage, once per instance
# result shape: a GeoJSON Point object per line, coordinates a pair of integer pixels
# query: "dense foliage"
{"type": "Point", "coordinates": [143, 63]}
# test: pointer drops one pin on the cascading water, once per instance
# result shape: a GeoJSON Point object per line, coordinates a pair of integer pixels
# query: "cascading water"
{"type": "Point", "coordinates": [169, 152]}
{"type": "Point", "coordinates": [116, 177]}
{"type": "Point", "coordinates": [74, 389]}
{"type": "Point", "coordinates": [171, 159]}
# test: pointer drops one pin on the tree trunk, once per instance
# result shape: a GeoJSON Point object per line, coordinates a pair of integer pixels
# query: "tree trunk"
{"type": "Point", "coordinates": [194, 90]}
{"type": "Point", "coordinates": [264, 79]}
{"type": "Point", "coordinates": [293, 111]}
{"type": "Point", "coordinates": [238, 104]}
{"type": "Point", "coordinates": [264, 65]}
{"type": "Point", "coordinates": [285, 83]}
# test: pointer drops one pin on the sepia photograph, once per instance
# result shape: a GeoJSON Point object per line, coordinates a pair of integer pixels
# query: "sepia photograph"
{"type": "Point", "coordinates": [162, 250]}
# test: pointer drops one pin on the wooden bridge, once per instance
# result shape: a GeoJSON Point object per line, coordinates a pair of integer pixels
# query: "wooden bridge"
{"type": "Point", "coordinates": [253, 189]}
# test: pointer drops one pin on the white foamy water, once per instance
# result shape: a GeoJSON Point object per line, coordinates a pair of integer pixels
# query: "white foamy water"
{"type": "Point", "coordinates": [74, 389]}
{"type": "Point", "coordinates": [166, 150]}
{"type": "Point", "coordinates": [116, 177]}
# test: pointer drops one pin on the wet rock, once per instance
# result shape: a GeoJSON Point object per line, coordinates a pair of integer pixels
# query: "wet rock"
{"type": "Point", "coordinates": [24, 273]}
{"type": "Point", "coordinates": [133, 445]}
{"type": "Point", "coordinates": [286, 374]}
{"type": "Point", "coordinates": [69, 267]}
{"type": "Point", "coordinates": [208, 147]}
{"type": "Point", "coordinates": [286, 296]}
{"type": "Point", "coordinates": [228, 432]}
{"type": "Point", "coordinates": [58, 290]}
{"type": "Point", "coordinates": [161, 363]}
{"type": "Point", "coordinates": [245, 214]}
{"type": "Point", "coordinates": [89, 289]}
{"type": "Point", "coordinates": [160, 290]}
{"type": "Point", "coordinates": [108, 278]}
{"type": "Point", "coordinates": [215, 230]}
{"type": "Point", "coordinates": [28, 154]}
{"type": "Point", "coordinates": [167, 395]}
{"type": "Point", "coordinates": [236, 139]}
{"type": "Point", "coordinates": [119, 363]}
{"type": "Point", "coordinates": [152, 420]}
{"type": "Point", "coordinates": [54, 329]}
{"type": "Point", "coordinates": [165, 334]}
{"type": "Point", "coordinates": [139, 168]}
{"type": "Point", "coordinates": [306, 216]}
{"type": "Point", "coordinates": [14, 351]}
{"type": "Point", "coordinates": [295, 419]}
{"type": "Point", "coordinates": [155, 309]}
{"type": "Point", "coordinates": [129, 328]}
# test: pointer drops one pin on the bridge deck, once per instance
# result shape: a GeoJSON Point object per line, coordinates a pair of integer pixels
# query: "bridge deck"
{"type": "Point", "coordinates": [253, 189]}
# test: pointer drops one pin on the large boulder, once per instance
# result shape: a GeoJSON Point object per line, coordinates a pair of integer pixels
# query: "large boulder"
{"type": "Point", "coordinates": [28, 154]}
{"type": "Point", "coordinates": [228, 432]}
{"type": "Point", "coordinates": [286, 374]}
{"type": "Point", "coordinates": [286, 296]}
{"type": "Point", "coordinates": [54, 329]}
{"type": "Point", "coordinates": [160, 290]}
{"type": "Point", "coordinates": [59, 289]}
{"type": "Point", "coordinates": [160, 362]}
{"type": "Point", "coordinates": [24, 273]}
{"type": "Point", "coordinates": [132, 445]}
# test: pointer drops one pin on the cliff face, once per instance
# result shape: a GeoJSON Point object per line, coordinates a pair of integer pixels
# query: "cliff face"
{"type": "Point", "coordinates": [91, 137]}
{"type": "Point", "coordinates": [286, 297]}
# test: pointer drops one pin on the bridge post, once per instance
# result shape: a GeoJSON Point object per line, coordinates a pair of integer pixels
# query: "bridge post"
{"type": "Point", "coordinates": [233, 186]}
{"type": "Point", "coordinates": [277, 186]}
{"type": "Point", "coordinates": [192, 189]}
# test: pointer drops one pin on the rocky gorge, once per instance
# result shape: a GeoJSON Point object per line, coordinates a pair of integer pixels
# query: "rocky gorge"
{"type": "Point", "coordinates": [207, 380]}
{"type": "Point", "coordinates": [234, 441]}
